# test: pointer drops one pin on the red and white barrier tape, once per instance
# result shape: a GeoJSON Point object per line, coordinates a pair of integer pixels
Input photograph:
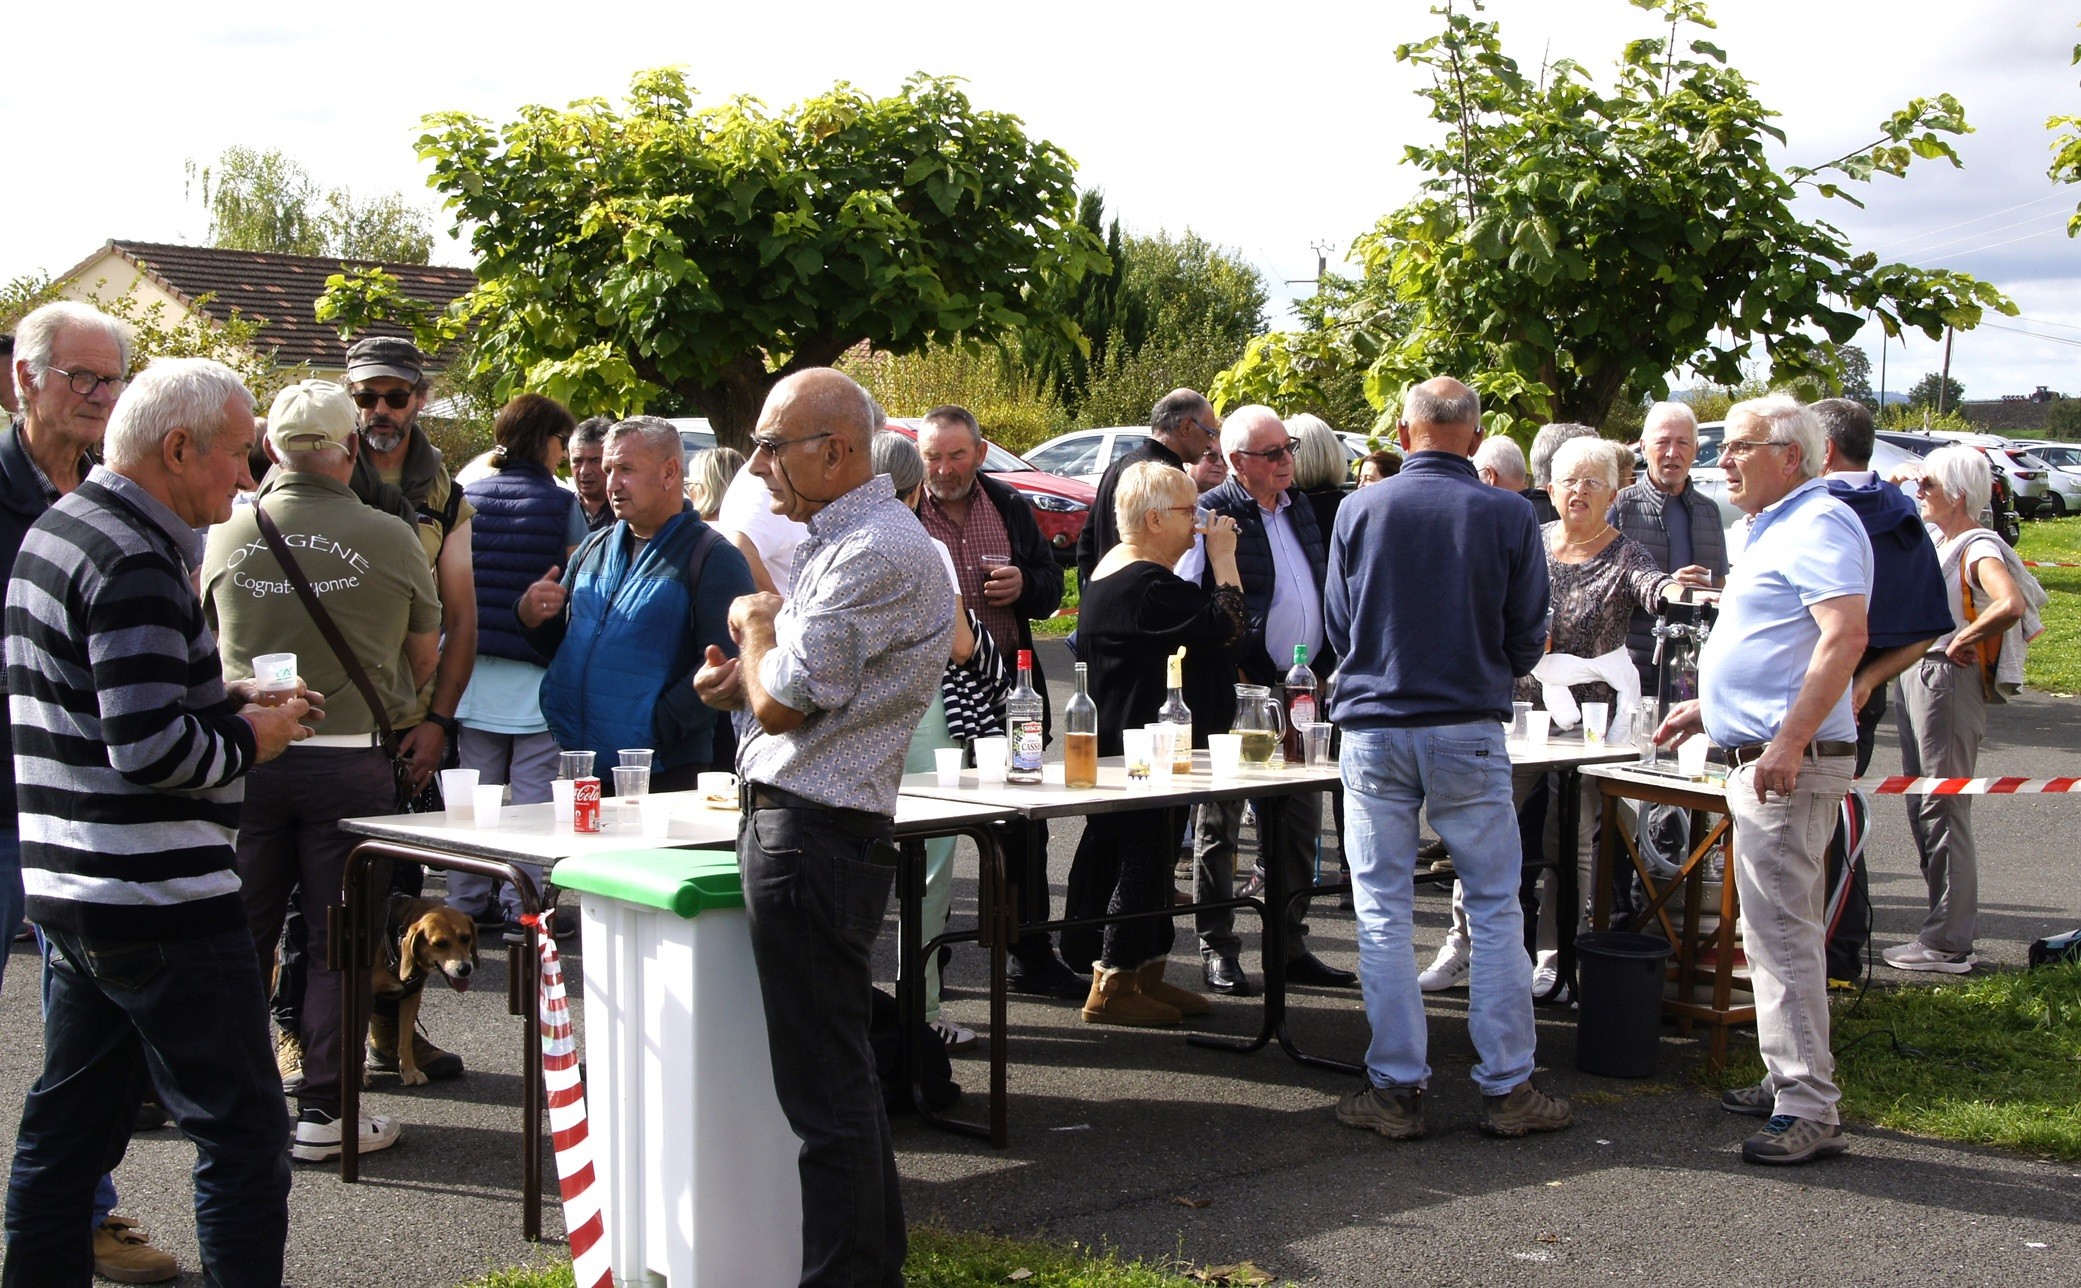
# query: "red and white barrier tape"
{"type": "Point", "coordinates": [1908, 785]}
{"type": "Point", "coordinates": [584, 1227]}
{"type": "Point", "coordinates": [2037, 563]}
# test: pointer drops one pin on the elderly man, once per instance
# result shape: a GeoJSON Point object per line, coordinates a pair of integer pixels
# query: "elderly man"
{"type": "Point", "coordinates": [1774, 693]}
{"type": "Point", "coordinates": [1282, 556]}
{"type": "Point", "coordinates": [589, 471]}
{"type": "Point", "coordinates": [1500, 463]}
{"type": "Point", "coordinates": [135, 755]}
{"type": "Point", "coordinates": [1540, 462]}
{"type": "Point", "coordinates": [1182, 428]}
{"type": "Point", "coordinates": [828, 689]}
{"type": "Point", "coordinates": [369, 575]}
{"type": "Point", "coordinates": [1437, 599]}
{"type": "Point", "coordinates": [625, 627]}
{"type": "Point", "coordinates": [1667, 515]}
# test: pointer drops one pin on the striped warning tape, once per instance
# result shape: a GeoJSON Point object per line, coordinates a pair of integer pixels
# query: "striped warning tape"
{"type": "Point", "coordinates": [584, 1227]}
{"type": "Point", "coordinates": [2038, 563]}
{"type": "Point", "coordinates": [1908, 785]}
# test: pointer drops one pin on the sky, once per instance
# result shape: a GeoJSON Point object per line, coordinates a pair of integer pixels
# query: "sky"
{"type": "Point", "coordinates": [1265, 129]}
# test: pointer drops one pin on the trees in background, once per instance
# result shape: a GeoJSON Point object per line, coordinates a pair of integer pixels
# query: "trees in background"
{"type": "Point", "coordinates": [1935, 390]}
{"type": "Point", "coordinates": [264, 200]}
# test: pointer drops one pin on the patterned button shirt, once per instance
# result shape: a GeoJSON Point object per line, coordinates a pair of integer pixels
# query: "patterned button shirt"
{"type": "Point", "coordinates": [858, 649]}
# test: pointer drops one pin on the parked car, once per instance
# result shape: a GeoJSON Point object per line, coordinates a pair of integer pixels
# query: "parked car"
{"type": "Point", "coordinates": [2027, 476]}
{"type": "Point", "coordinates": [2063, 484]}
{"type": "Point", "coordinates": [695, 433]}
{"type": "Point", "coordinates": [1060, 505]}
{"type": "Point", "coordinates": [1084, 454]}
{"type": "Point", "coordinates": [2001, 514]}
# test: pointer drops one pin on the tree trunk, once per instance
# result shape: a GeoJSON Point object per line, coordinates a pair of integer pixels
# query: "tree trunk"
{"type": "Point", "coordinates": [732, 405]}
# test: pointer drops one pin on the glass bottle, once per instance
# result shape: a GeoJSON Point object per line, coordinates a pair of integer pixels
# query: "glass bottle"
{"type": "Point", "coordinates": [1023, 726]}
{"type": "Point", "coordinates": [1080, 736]}
{"type": "Point", "coordinates": [1175, 712]}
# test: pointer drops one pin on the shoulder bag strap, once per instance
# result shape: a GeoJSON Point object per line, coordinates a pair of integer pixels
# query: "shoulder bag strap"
{"type": "Point", "coordinates": [326, 627]}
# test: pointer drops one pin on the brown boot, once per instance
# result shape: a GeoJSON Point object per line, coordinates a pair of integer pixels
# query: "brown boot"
{"type": "Point", "coordinates": [1149, 979]}
{"type": "Point", "coordinates": [1115, 1000]}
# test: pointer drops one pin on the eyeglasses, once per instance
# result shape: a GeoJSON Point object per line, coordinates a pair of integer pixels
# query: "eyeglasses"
{"type": "Point", "coordinates": [1736, 447]}
{"type": "Point", "coordinates": [394, 399]}
{"type": "Point", "coordinates": [1184, 509]}
{"type": "Point", "coordinates": [1272, 453]}
{"type": "Point", "coordinates": [84, 382]}
{"type": "Point", "coordinates": [1583, 485]}
{"type": "Point", "coordinates": [774, 446]}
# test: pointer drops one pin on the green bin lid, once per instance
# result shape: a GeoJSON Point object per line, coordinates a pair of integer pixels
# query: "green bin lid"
{"type": "Point", "coordinates": [685, 882]}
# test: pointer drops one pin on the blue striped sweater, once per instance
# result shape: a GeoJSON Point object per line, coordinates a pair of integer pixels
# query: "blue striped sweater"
{"type": "Point", "coordinates": [129, 756]}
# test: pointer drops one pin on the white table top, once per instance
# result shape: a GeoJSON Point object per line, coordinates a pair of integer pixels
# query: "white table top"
{"type": "Point", "coordinates": [1051, 799]}
{"type": "Point", "coordinates": [1664, 775]}
{"type": "Point", "coordinates": [1564, 751]}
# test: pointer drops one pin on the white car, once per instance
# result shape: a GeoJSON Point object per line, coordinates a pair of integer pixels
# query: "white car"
{"type": "Point", "coordinates": [1084, 454]}
{"type": "Point", "coordinates": [2030, 484]}
{"type": "Point", "coordinates": [2063, 484]}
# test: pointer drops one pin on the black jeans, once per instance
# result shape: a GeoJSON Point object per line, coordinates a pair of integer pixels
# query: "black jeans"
{"type": "Point", "coordinates": [815, 896]}
{"type": "Point", "coordinates": [184, 1016]}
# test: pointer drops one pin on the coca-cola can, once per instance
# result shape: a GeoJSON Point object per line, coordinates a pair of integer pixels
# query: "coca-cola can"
{"type": "Point", "coordinates": [585, 805]}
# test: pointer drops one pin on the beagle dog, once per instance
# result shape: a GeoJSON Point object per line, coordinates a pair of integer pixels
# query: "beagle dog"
{"type": "Point", "coordinates": [422, 938]}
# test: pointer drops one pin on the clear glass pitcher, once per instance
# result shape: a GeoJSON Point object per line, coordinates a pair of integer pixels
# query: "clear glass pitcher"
{"type": "Point", "coordinates": [1259, 721]}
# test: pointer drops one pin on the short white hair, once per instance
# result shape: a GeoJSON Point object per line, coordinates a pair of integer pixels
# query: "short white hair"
{"type": "Point", "coordinates": [1786, 420]}
{"type": "Point", "coordinates": [1149, 487]}
{"type": "Point", "coordinates": [1235, 431]}
{"type": "Point", "coordinates": [1675, 411]}
{"type": "Point", "coordinates": [170, 394]}
{"type": "Point", "coordinates": [36, 335]}
{"type": "Point", "coordinates": [1963, 473]}
{"type": "Point", "coordinates": [1586, 457]}
{"type": "Point", "coordinates": [657, 434]}
{"type": "Point", "coordinates": [1502, 456]}
{"type": "Point", "coordinates": [1548, 441]}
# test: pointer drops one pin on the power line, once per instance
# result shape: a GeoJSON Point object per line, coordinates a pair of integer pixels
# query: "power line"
{"type": "Point", "coordinates": [2017, 330]}
{"type": "Point", "coordinates": [1984, 232]}
{"type": "Point", "coordinates": [2064, 326]}
{"type": "Point", "coordinates": [1974, 250]}
{"type": "Point", "coordinates": [1992, 214]}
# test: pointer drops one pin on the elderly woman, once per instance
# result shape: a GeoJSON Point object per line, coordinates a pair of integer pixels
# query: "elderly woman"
{"type": "Point", "coordinates": [1135, 613]}
{"type": "Point", "coordinates": [1598, 577]}
{"type": "Point", "coordinates": [708, 475]}
{"type": "Point", "coordinates": [1319, 467]}
{"type": "Point", "coordinates": [1943, 705]}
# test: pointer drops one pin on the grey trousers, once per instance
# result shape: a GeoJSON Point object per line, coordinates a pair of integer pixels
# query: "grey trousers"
{"type": "Point", "coordinates": [526, 762]}
{"type": "Point", "coordinates": [1943, 718]}
{"type": "Point", "coordinates": [1217, 827]}
{"type": "Point", "coordinates": [1780, 866]}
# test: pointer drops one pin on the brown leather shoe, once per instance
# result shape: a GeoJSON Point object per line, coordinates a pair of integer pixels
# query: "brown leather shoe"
{"type": "Point", "coordinates": [124, 1252]}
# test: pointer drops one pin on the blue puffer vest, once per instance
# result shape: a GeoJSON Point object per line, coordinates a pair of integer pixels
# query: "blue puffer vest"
{"type": "Point", "coordinates": [522, 521]}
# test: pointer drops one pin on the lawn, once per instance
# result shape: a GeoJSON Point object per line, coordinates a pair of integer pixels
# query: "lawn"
{"type": "Point", "coordinates": [1990, 1059]}
{"type": "Point", "coordinates": [2054, 664]}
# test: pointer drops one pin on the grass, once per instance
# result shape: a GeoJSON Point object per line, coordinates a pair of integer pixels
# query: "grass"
{"type": "Point", "coordinates": [2054, 664]}
{"type": "Point", "coordinates": [945, 1259]}
{"type": "Point", "coordinates": [1061, 626]}
{"type": "Point", "coordinates": [1989, 1059]}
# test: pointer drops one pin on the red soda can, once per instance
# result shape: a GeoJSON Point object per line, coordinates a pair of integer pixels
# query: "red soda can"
{"type": "Point", "coordinates": [585, 805]}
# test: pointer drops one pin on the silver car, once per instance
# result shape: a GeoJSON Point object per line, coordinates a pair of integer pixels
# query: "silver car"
{"type": "Point", "coordinates": [2063, 484]}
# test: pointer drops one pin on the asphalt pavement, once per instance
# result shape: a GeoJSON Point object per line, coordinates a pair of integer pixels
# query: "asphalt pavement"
{"type": "Point", "coordinates": [1134, 1140]}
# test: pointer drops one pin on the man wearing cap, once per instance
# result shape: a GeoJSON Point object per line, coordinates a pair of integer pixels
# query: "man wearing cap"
{"type": "Point", "coordinates": [370, 575]}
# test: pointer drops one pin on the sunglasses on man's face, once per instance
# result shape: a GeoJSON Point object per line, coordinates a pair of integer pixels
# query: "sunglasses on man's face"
{"type": "Point", "coordinates": [394, 399]}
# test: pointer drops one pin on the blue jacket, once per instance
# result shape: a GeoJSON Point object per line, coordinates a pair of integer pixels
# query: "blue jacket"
{"type": "Point", "coordinates": [1436, 599]}
{"type": "Point", "coordinates": [523, 521]}
{"type": "Point", "coordinates": [622, 655]}
{"type": "Point", "coordinates": [1909, 601]}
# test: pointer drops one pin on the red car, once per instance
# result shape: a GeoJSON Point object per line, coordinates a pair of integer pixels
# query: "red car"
{"type": "Point", "coordinates": [1060, 505]}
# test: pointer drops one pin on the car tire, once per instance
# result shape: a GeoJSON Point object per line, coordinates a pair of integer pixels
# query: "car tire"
{"type": "Point", "coordinates": [2054, 506]}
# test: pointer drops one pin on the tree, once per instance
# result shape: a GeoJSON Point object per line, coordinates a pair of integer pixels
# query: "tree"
{"type": "Point", "coordinates": [1103, 314]}
{"type": "Point", "coordinates": [1926, 390]}
{"type": "Point", "coordinates": [267, 201]}
{"type": "Point", "coordinates": [705, 254]}
{"type": "Point", "coordinates": [1568, 243]}
{"type": "Point", "coordinates": [190, 334]}
{"type": "Point", "coordinates": [1320, 367]}
{"type": "Point", "coordinates": [1015, 408]}
{"type": "Point", "coordinates": [2066, 152]}
{"type": "Point", "coordinates": [1853, 374]}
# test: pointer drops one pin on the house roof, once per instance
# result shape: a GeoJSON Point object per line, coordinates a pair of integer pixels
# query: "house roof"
{"type": "Point", "coordinates": [278, 290]}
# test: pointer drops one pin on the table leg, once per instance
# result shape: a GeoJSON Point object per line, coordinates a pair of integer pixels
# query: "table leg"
{"type": "Point", "coordinates": [911, 956]}
{"type": "Point", "coordinates": [1567, 886]}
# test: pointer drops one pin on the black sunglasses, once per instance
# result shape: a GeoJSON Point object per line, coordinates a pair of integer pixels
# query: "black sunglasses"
{"type": "Point", "coordinates": [394, 399]}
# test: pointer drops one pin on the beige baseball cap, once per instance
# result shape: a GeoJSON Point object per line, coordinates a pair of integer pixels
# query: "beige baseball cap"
{"type": "Point", "coordinates": [310, 414]}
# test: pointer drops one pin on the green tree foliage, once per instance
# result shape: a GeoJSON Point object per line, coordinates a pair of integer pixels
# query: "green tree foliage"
{"type": "Point", "coordinates": [2063, 420]}
{"type": "Point", "coordinates": [1200, 306]}
{"type": "Point", "coordinates": [1853, 374]}
{"type": "Point", "coordinates": [191, 334]}
{"type": "Point", "coordinates": [1321, 366]}
{"type": "Point", "coordinates": [266, 201]}
{"type": "Point", "coordinates": [1570, 242]}
{"type": "Point", "coordinates": [704, 254]}
{"type": "Point", "coordinates": [2066, 152]}
{"type": "Point", "coordinates": [1015, 408]}
{"type": "Point", "coordinates": [1103, 313]}
{"type": "Point", "coordinates": [1934, 389]}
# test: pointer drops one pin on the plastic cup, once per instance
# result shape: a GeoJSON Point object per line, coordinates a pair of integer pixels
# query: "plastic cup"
{"type": "Point", "coordinates": [1690, 755]}
{"type": "Point", "coordinates": [1136, 747]}
{"type": "Point", "coordinates": [657, 817]}
{"type": "Point", "coordinates": [575, 764]}
{"type": "Point", "coordinates": [1596, 723]}
{"type": "Point", "coordinates": [1163, 745]}
{"type": "Point", "coordinates": [1645, 721]}
{"type": "Point", "coordinates": [490, 800]}
{"type": "Point", "coordinates": [275, 676]}
{"type": "Point", "coordinates": [1315, 742]}
{"type": "Point", "coordinates": [560, 794]}
{"type": "Point", "coordinates": [1537, 725]}
{"type": "Point", "coordinates": [1225, 754]}
{"type": "Point", "coordinates": [946, 762]}
{"type": "Point", "coordinates": [457, 788]}
{"type": "Point", "coordinates": [633, 758]}
{"type": "Point", "coordinates": [1518, 713]}
{"type": "Point", "coordinates": [991, 756]}
{"type": "Point", "coordinates": [632, 782]}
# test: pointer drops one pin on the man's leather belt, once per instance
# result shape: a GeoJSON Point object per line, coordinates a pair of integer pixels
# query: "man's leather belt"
{"type": "Point", "coordinates": [753, 796]}
{"type": "Point", "coordinates": [1739, 756]}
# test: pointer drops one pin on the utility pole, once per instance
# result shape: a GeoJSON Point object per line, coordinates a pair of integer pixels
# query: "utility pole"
{"type": "Point", "coordinates": [1322, 264]}
{"type": "Point", "coordinates": [1882, 371]}
{"type": "Point", "coordinates": [1943, 389]}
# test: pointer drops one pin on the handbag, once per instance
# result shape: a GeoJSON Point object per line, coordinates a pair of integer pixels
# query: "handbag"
{"type": "Point", "coordinates": [427, 798]}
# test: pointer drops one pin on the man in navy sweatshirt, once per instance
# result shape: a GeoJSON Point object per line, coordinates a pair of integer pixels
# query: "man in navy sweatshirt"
{"type": "Point", "coordinates": [1436, 600]}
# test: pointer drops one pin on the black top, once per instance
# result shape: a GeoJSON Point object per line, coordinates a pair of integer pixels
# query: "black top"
{"type": "Point", "coordinates": [1128, 625]}
{"type": "Point", "coordinates": [1102, 529]}
{"type": "Point", "coordinates": [1324, 501]}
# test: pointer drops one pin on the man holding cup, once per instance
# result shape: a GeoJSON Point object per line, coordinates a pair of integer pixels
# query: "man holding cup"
{"type": "Point", "coordinates": [370, 575]}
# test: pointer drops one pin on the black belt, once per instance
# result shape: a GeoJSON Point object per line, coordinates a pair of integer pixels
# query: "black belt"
{"type": "Point", "coordinates": [1739, 756]}
{"type": "Point", "coordinates": [755, 796]}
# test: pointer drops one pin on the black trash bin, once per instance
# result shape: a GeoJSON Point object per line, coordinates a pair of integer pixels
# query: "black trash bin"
{"type": "Point", "coordinates": [1620, 1022]}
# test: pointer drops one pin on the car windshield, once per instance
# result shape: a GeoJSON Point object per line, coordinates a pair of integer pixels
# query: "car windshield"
{"type": "Point", "coordinates": [998, 461]}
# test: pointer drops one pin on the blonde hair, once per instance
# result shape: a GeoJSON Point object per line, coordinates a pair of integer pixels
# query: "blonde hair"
{"type": "Point", "coordinates": [1150, 488]}
{"type": "Point", "coordinates": [708, 475]}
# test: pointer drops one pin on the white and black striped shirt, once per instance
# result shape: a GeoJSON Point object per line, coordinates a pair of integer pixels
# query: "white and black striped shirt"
{"type": "Point", "coordinates": [129, 756]}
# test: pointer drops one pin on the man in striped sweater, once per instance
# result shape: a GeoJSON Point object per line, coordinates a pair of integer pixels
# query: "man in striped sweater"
{"type": "Point", "coordinates": [130, 763]}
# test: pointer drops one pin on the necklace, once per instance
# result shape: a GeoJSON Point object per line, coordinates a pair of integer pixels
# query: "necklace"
{"type": "Point", "coordinates": [1587, 540]}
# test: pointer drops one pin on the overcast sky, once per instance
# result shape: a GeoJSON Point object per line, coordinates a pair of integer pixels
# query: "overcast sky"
{"type": "Point", "coordinates": [1263, 127]}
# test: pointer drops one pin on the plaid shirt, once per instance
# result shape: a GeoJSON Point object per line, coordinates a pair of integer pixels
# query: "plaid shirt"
{"type": "Point", "coordinates": [981, 534]}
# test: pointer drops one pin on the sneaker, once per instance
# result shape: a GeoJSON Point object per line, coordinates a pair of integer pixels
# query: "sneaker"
{"type": "Point", "coordinates": [1785, 1139]}
{"type": "Point", "coordinates": [1754, 1101]}
{"type": "Point", "coordinates": [1546, 977]}
{"type": "Point", "coordinates": [1524, 1109]}
{"type": "Point", "coordinates": [1449, 969]}
{"type": "Point", "coordinates": [1394, 1112]}
{"type": "Point", "coordinates": [1253, 885]}
{"type": "Point", "coordinates": [1916, 955]}
{"type": "Point", "coordinates": [318, 1135]}
{"type": "Point", "coordinates": [955, 1036]}
{"type": "Point", "coordinates": [289, 1060]}
{"type": "Point", "coordinates": [124, 1252]}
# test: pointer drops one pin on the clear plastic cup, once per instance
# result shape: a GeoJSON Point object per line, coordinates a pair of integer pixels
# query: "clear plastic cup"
{"type": "Point", "coordinates": [1137, 750]}
{"type": "Point", "coordinates": [946, 762]}
{"type": "Point", "coordinates": [560, 794]}
{"type": "Point", "coordinates": [1315, 742]}
{"type": "Point", "coordinates": [1163, 746]}
{"type": "Point", "coordinates": [275, 676]}
{"type": "Point", "coordinates": [457, 788]}
{"type": "Point", "coordinates": [1537, 726]}
{"type": "Point", "coordinates": [631, 782]}
{"type": "Point", "coordinates": [1645, 721]}
{"type": "Point", "coordinates": [1596, 723]}
{"type": "Point", "coordinates": [633, 758]}
{"type": "Point", "coordinates": [1225, 754]}
{"type": "Point", "coordinates": [490, 801]}
{"type": "Point", "coordinates": [1518, 712]}
{"type": "Point", "coordinates": [991, 756]}
{"type": "Point", "coordinates": [575, 764]}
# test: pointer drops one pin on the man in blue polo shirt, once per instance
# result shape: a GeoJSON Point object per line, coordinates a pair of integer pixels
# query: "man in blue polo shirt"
{"type": "Point", "coordinates": [1774, 693]}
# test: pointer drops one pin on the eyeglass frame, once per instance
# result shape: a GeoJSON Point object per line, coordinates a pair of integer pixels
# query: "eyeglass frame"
{"type": "Point", "coordinates": [394, 399]}
{"type": "Point", "coordinates": [1271, 454]}
{"type": "Point", "coordinates": [1742, 447]}
{"type": "Point", "coordinates": [94, 381]}
{"type": "Point", "coordinates": [1584, 485]}
{"type": "Point", "coordinates": [774, 447]}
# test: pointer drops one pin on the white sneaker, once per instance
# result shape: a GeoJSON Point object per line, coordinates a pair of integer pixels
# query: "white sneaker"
{"type": "Point", "coordinates": [318, 1135]}
{"type": "Point", "coordinates": [1546, 977]}
{"type": "Point", "coordinates": [956, 1037]}
{"type": "Point", "coordinates": [1916, 955]}
{"type": "Point", "coordinates": [1449, 969]}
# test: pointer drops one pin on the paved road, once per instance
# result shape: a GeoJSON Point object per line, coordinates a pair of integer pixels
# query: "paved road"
{"type": "Point", "coordinates": [1112, 1128]}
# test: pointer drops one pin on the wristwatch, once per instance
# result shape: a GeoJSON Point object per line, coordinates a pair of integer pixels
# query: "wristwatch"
{"type": "Point", "coordinates": [447, 723]}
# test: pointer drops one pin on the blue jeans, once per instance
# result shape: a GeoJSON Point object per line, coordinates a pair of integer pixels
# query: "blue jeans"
{"type": "Point", "coordinates": [184, 1016]}
{"type": "Point", "coordinates": [105, 1198]}
{"type": "Point", "coordinates": [10, 890]}
{"type": "Point", "coordinates": [1460, 776]}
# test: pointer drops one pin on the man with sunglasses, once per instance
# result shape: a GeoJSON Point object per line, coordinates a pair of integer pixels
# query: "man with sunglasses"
{"type": "Point", "coordinates": [1282, 554]}
{"type": "Point", "coordinates": [1182, 428]}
